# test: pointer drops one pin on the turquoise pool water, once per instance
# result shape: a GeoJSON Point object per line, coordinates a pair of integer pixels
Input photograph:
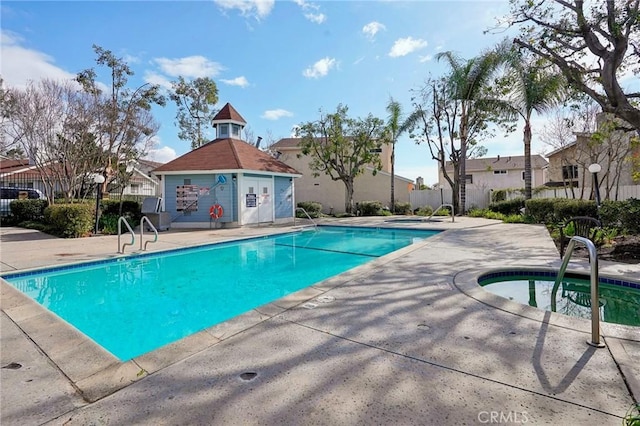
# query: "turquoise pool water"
{"type": "Point", "coordinates": [619, 299]}
{"type": "Point", "coordinates": [136, 304]}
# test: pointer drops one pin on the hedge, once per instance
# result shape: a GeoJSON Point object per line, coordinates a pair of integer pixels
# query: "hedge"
{"type": "Point", "coordinates": [312, 207]}
{"type": "Point", "coordinates": [508, 207]}
{"type": "Point", "coordinates": [28, 210]}
{"type": "Point", "coordinates": [70, 220]}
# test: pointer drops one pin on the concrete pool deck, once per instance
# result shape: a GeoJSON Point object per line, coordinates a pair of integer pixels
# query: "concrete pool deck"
{"type": "Point", "coordinates": [408, 338]}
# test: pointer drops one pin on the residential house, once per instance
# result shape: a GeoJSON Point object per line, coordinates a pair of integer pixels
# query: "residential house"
{"type": "Point", "coordinates": [501, 172]}
{"type": "Point", "coordinates": [142, 182]}
{"type": "Point", "coordinates": [331, 194]}
{"type": "Point", "coordinates": [227, 182]}
{"type": "Point", "coordinates": [613, 150]}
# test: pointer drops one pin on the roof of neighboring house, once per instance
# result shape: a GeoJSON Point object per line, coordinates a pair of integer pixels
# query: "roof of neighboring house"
{"type": "Point", "coordinates": [148, 164]}
{"type": "Point", "coordinates": [227, 154]}
{"type": "Point", "coordinates": [562, 148]}
{"type": "Point", "coordinates": [508, 162]}
{"type": "Point", "coordinates": [8, 166]}
{"type": "Point", "coordinates": [286, 143]}
{"type": "Point", "coordinates": [229, 113]}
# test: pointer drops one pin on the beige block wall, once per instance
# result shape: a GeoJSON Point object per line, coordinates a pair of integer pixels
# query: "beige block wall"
{"type": "Point", "coordinates": [331, 194]}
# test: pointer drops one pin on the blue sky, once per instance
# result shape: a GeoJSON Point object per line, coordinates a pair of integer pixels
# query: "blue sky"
{"type": "Point", "coordinates": [278, 63]}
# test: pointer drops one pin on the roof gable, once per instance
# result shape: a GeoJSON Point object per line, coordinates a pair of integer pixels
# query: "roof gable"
{"type": "Point", "coordinates": [229, 113]}
{"type": "Point", "coordinates": [226, 154]}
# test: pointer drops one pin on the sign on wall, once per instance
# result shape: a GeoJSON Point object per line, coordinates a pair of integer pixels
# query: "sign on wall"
{"type": "Point", "coordinates": [187, 198]}
{"type": "Point", "coordinates": [251, 200]}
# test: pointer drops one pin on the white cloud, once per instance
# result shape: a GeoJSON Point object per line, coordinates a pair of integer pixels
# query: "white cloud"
{"type": "Point", "coordinates": [276, 114]}
{"type": "Point", "coordinates": [425, 58]}
{"type": "Point", "coordinates": [372, 28]}
{"type": "Point", "coordinates": [189, 67]}
{"type": "Point", "coordinates": [404, 46]}
{"type": "Point", "coordinates": [21, 65]}
{"type": "Point", "coordinates": [238, 81]}
{"type": "Point", "coordinates": [155, 78]}
{"type": "Point", "coordinates": [318, 18]}
{"type": "Point", "coordinates": [162, 155]}
{"type": "Point", "coordinates": [248, 8]}
{"type": "Point", "coordinates": [320, 68]}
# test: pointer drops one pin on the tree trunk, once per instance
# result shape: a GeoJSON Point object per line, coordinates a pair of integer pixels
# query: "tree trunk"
{"type": "Point", "coordinates": [527, 160]}
{"type": "Point", "coordinates": [348, 193]}
{"type": "Point", "coordinates": [463, 161]}
{"type": "Point", "coordinates": [393, 178]}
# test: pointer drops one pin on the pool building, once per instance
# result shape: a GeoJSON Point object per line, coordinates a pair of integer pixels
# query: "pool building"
{"type": "Point", "coordinates": [227, 182]}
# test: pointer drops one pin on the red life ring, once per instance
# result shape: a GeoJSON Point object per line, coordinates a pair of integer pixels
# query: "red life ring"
{"type": "Point", "coordinates": [216, 211]}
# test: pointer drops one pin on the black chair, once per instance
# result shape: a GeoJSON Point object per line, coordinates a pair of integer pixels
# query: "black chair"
{"type": "Point", "coordinates": [583, 226]}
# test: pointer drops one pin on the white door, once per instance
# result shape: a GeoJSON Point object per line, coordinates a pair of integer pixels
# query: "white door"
{"type": "Point", "coordinates": [265, 200]}
{"type": "Point", "coordinates": [257, 203]}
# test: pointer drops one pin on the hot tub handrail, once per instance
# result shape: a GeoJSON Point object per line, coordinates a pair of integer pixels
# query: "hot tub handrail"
{"type": "Point", "coordinates": [306, 214]}
{"type": "Point", "coordinates": [153, 228]}
{"type": "Point", "coordinates": [595, 299]}
{"type": "Point", "coordinates": [122, 220]}
{"type": "Point", "coordinates": [441, 206]}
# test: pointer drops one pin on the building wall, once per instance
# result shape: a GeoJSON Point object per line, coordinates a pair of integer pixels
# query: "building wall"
{"type": "Point", "coordinates": [331, 194]}
{"type": "Point", "coordinates": [488, 179]}
{"type": "Point", "coordinates": [202, 189]}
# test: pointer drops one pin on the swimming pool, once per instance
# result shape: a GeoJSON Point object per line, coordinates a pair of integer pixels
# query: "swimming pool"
{"type": "Point", "coordinates": [135, 304]}
{"type": "Point", "coordinates": [619, 299]}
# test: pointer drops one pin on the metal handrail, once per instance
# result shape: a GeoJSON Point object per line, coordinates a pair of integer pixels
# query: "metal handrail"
{"type": "Point", "coordinates": [122, 220]}
{"type": "Point", "coordinates": [155, 231]}
{"type": "Point", "coordinates": [306, 214]}
{"type": "Point", "coordinates": [595, 299]}
{"type": "Point", "coordinates": [441, 206]}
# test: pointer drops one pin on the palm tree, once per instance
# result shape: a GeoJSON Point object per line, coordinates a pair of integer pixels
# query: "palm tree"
{"type": "Point", "coordinates": [395, 127]}
{"type": "Point", "coordinates": [468, 82]}
{"type": "Point", "coordinates": [534, 86]}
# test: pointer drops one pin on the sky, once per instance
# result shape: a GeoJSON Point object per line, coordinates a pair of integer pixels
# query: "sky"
{"type": "Point", "coordinates": [279, 63]}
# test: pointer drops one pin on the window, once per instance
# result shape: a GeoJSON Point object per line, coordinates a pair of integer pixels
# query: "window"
{"type": "Point", "coordinates": [523, 175]}
{"type": "Point", "coordinates": [375, 150]}
{"type": "Point", "coordinates": [135, 188]}
{"type": "Point", "coordinates": [224, 130]}
{"type": "Point", "coordinates": [570, 172]}
{"type": "Point", "coordinates": [235, 130]}
{"type": "Point", "coordinates": [469, 178]}
{"type": "Point", "coordinates": [499, 172]}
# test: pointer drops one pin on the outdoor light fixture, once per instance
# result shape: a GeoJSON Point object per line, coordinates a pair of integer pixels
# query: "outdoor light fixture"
{"type": "Point", "coordinates": [594, 169]}
{"type": "Point", "coordinates": [98, 179]}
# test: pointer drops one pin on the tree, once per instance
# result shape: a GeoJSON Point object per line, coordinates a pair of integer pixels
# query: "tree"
{"type": "Point", "coordinates": [467, 83]}
{"type": "Point", "coordinates": [342, 147]}
{"type": "Point", "coordinates": [592, 48]}
{"type": "Point", "coordinates": [435, 121]}
{"type": "Point", "coordinates": [532, 85]}
{"type": "Point", "coordinates": [124, 127]}
{"type": "Point", "coordinates": [195, 100]}
{"type": "Point", "coordinates": [396, 126]}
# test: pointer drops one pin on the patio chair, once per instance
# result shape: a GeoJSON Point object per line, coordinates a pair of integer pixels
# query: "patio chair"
{"type": "Point", "coordinates": [583, 226]}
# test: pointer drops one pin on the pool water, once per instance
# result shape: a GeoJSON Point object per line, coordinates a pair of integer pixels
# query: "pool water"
{"type": "Point", "coordinates": [619, 300]}
{"type": "Point", "coordinates": [136, 304]}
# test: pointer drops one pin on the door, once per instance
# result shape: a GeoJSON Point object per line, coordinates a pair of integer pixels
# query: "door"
{"type": "Point", "coordinates": [265, 200]}
{"type": "Point", "coordinates": [257, 200]}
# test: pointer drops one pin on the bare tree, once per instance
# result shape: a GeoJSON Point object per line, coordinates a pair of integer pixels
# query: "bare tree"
{"type": "Point", "coordinates": [593, 48]}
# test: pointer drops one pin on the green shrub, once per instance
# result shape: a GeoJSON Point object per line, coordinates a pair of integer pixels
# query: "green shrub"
{"type": "Point", "coordinates": [70, 220]}
{"type": "Point", "coordinates": [108, 223]}
{"type": "Point", "coordinates": [514, 218]}
{"type": "Point", "coordinates": [630, 216]}
{"type": "Point", "coordinates": [403, 208]}
{"type": "Point", "coordinates": [508, 207]}
{"type": "Point", "coordinates": [541, 209]}
{"type": "Point", "coordinates": [424, 211]}
{"type": "Point", "coordinates": [28, 210]}
{"type": "Point", "coordinates": [475, 212]}
{"type": "Point", "coordinates": [494, 215]}
{"type": "Point", "coordinates": [611, 213]}
{"type": "Point", "coordinates": [445, 211]}
{"type": "Point", "coordinates": [313, 208]}
{"type": "Point", "coordinates": [498, 195]}
{"type": "Point", "coordinates": [370, 208]}
{"type": "Point", "coordinates": [565, 208]}
{"type": "Point", "coordinates": [131, 210]}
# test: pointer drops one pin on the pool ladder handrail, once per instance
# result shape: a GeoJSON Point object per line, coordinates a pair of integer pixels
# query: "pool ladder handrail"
{"type": "Point", "coordinates": [315, 225]}
{"type": "Point", "coordinates": [441, 206]}
{"type": "Point", "coordinates": [595, 299]}
{"type": "Point", "coordinates": [153, 228]}
{"type": "Point", "coordinates": [122, 220]}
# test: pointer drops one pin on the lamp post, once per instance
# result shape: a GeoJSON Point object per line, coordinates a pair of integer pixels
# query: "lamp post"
{"type": "Point", "coordinates": [441, 195]}
{"type": "Point", "coordinates": [98, 179]}
{"type": "Point", "coordinates": [594, 169]}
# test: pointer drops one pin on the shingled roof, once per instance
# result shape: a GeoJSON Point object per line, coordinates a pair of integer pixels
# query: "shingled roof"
{"type": "Point", "coordinates": [229, 113]}
{"type": "Point", "coordinates": [226, 154]}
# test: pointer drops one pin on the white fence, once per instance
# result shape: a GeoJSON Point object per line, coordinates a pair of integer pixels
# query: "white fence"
{"type": "Point", "coordinates": [481, 198]}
